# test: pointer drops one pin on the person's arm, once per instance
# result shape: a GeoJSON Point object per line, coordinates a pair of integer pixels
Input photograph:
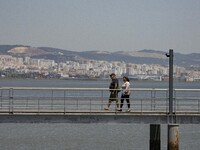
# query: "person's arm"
{"type": "Point", "coordinates": [115, 85]}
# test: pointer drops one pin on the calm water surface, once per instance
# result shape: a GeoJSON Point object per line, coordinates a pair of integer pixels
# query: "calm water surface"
{"type": "Point", "coordinates": [60, 136]}
{"type": "Point", "coordinates": [93, 84]}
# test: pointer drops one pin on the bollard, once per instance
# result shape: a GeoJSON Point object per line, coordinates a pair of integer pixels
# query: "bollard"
{"type": "Point", "coordinates": [173, 137]}
{"type": "Point", "coordinates": [154, 137]}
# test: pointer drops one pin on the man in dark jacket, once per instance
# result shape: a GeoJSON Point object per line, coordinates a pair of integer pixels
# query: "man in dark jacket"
{"type": "Point", "coordinates": [113, 91]}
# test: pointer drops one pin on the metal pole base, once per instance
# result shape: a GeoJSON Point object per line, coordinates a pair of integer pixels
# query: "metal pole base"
{"type": "Point", "coordinates": [173, 137]}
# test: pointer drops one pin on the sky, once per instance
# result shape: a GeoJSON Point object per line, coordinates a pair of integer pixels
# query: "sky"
{"type": "Point", "coordinates": [104, 25]}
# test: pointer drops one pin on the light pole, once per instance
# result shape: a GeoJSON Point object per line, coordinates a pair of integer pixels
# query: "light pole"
{"type": "Point", "coordinates": [170, 55]}
{"type": "Point", "coordinates": [173, 129]}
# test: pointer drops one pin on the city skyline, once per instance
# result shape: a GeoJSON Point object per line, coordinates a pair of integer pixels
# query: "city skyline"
{"type": "Point", "coordinates": [27, 67]}
{"type": "Point", "coordinates": [106, 25]}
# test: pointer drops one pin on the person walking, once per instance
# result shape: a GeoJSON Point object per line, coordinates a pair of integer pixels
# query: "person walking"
{"type": "Point", "coordinates": [113, 92]}
{"type": "Point", "coordinates": [125, 93]}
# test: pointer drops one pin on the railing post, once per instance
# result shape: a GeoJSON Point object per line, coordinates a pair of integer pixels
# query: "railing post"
{"type": "Point", "coordinates": [76, 103]}
{"type": "Point", "coordinates": [11, 100]}
{"type": "Point", "coordinates": [38, 105]}
{"type": "Point", "coordinates": [167, 102]}
{"type": "Point", "coordinates": [90, 105]}
{"type": "Point", "coordinates": [1, 98]}
{"type": "Point", "coordinates": [153, 99]}
{"type": "Point", "coordinates": [101, 99]}
{"type": "Point", "coordinates": [64, 101]}
{"type": "Point", "coordinates": [176, 103]}
{"type": "Point", "coordinates": [51, 99]}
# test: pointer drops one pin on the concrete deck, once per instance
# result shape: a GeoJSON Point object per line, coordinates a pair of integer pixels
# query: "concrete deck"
{"type": "Point", "coordinates": [99, 117]}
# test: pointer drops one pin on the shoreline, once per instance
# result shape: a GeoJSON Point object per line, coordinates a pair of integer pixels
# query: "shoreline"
{"type": "Point", "coordinates": [88, 79]}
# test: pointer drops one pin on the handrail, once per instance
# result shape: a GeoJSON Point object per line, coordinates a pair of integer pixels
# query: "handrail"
{"type": "Point", "coordinates": [61, 99]}
{"type": "Point", "coordinates": [63, 88]}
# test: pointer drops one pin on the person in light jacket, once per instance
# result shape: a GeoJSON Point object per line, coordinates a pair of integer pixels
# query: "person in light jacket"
{"type": "Point", "coordinates": [125, 93]}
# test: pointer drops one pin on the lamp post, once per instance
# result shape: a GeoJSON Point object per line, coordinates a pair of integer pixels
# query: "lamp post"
{"type": "Point", "coordinates": [170, 55]}
{"type": "Point", "coordinates": [173, 129]}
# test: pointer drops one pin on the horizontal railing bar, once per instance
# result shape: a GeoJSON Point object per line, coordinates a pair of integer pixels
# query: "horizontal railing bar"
{"type": "Point", "coordinates": [62, 88]}
{"type": "Point", "coordinates": [50, 88]}
{"type": "Point", "coordinates": [195, 90]}
{"type": "Point", "coordinates": [92, 89]}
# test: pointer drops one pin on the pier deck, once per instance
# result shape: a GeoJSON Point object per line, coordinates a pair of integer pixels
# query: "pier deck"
{"type": "Point", "coordinates": [99, 117]}
{"type": "Point", "coordinates": [86, 105]}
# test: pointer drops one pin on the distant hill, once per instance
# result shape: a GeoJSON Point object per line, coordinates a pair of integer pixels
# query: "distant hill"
{"type": "Point", "coordinates": [28, 51]}
{"type": "Point", "coordinates": [137, 57]}
{"type": "Point", "coordinates": [125, 56]}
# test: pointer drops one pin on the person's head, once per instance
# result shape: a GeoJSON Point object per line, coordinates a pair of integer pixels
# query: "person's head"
{"type": "Point", "coordinates": [112, 76]}
{"type": "Point", "coordinates": [125, 79]}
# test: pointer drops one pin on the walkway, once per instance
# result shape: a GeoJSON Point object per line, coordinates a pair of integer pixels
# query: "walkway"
{"type": "Point", "coordinates": [86, 105]}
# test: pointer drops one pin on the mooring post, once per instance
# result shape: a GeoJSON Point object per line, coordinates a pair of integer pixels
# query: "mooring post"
{"type": "Point", "coordinates": [154, 137]}
{"type": "Point", "coordinates": [173, 137]}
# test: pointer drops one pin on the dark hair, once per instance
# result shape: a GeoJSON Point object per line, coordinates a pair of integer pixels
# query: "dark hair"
{"type": "Point", "coordinates": [127, 79]}
{"type": "Point", "coordinates": [112, 74]}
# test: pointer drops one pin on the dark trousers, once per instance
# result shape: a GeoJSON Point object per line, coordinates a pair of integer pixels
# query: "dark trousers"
{"type": "Point", "coordinates": [127, 100]}
{"type": "Point", "coordinates": [113, 97]}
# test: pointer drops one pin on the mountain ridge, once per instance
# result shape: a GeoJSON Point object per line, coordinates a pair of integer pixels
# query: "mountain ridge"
{"type": "Point", "coordinates": [146, 56]}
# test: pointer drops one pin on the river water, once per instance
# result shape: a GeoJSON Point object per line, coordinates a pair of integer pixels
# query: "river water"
{"type": "Point", "coordinates": [61, 136]}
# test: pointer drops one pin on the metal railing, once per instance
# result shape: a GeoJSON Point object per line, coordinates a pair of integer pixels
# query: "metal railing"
{"type": "Point", "coordinates": [64, 100]}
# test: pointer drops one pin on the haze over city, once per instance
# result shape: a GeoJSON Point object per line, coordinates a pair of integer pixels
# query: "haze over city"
{"type": "Point", "coordinates": [107, 25]}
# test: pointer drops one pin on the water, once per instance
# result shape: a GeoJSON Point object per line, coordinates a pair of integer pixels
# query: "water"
{"type": "Point", "coordinates": [89, 137]}
{"type": "Point", "coordinates": [60, 136]}
{"type": "Point", "coordinates": [93, 84]}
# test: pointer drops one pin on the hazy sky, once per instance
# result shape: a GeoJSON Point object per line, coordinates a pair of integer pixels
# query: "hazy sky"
{"type": "Point", "coordinates": [110, 25]}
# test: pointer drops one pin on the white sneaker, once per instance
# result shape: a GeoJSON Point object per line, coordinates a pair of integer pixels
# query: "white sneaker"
{"type": "Point", "coordinates": [128, 110]}
{"type": "Point", "coordinates": [106, 108]}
